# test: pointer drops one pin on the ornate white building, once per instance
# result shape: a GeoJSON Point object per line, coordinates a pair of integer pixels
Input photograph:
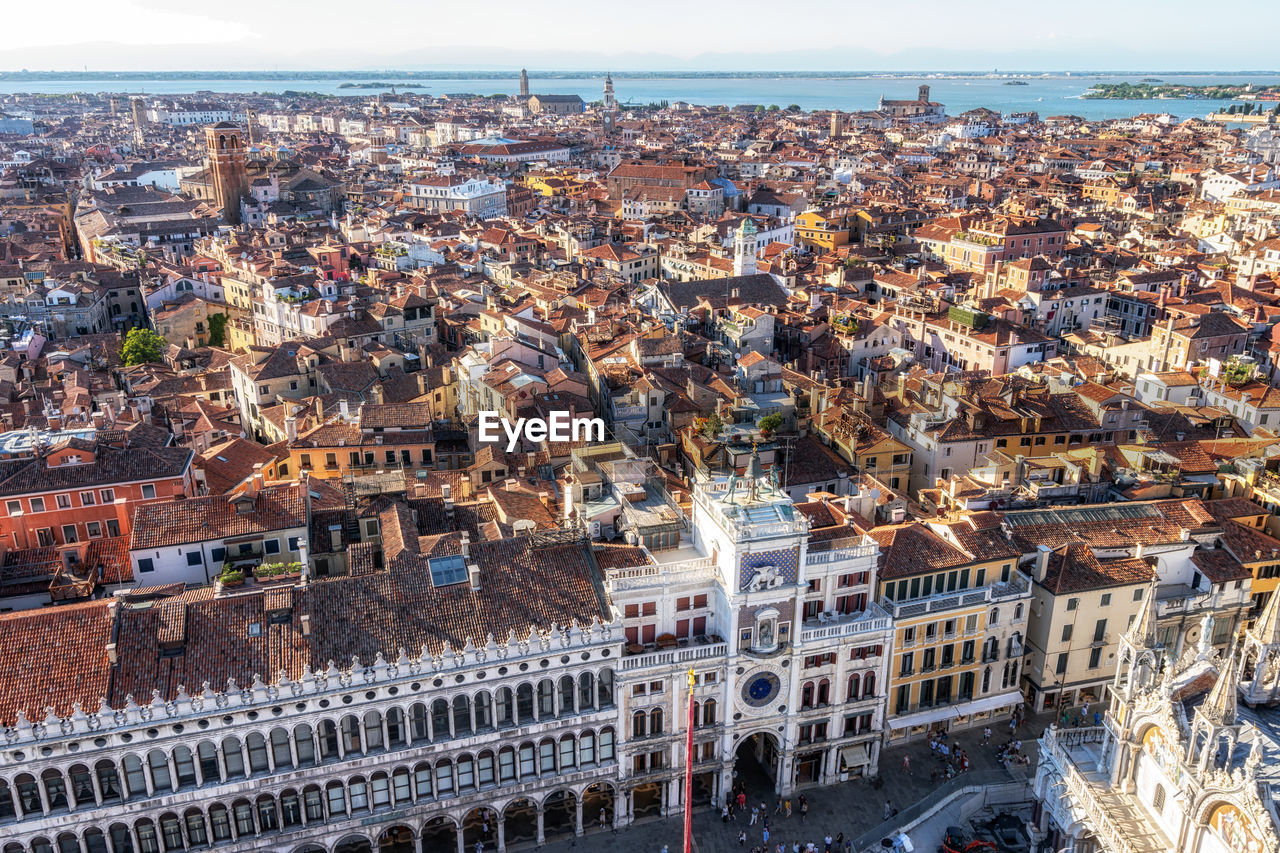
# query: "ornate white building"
{"type": "Point", "coordinates": [506, 691]}
{"type": "Point", "coordinates": [1179, 766]}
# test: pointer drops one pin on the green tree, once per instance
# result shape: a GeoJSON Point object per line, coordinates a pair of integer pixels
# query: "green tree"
{"type": "Point", "coordinates": [712, 425]}
{"type": "Point", "coordinates": [217, 330]}
{"type": "Point", "coordinates": [770, 423]}
{"type": "Point", "coordinates": [142, 346]}
{"type": "Point", "coordinates": [793, 108]}
{"type": "Point", "coordinates": [773, 108]}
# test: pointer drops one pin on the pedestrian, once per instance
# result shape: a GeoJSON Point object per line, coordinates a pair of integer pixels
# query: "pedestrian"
{"type": "Point", "coordinates": [786, 805]}
{"type": "Point", "coordinates": [603, 818]}
{"type": "Point", "coordinates": [826, 842]}
{"type": "Point", "coordinates": [906, 764]}
{"type": "Point", "coordinates": [765, 834]}
{"type": "Point", "coordinates": [1017, 746]}
{"type": "Point", "coordinates": [764, 808]}
{"type": "Point", "coordinates": [1013, 723]}
{"type": "Point", "coordinates": [664, 849]}
{"type": "Point", "coordinates": [742, 838]}
{"type": "Point", "coordinates": [755, 815]}
{"type": "Point", "coordinates": [888, 809]}
{"type": "Point", "coordinates": [839, 841]}
{"type": "Point", "coordinates": [742, 800]}
{"type": "Point", "coordinates": [479, 847]}
{"type": "Point", "coordinates": [1084, 710]}
{"type": "Point", "coordinates": [1097, 718]}
{"type": "Point", "coordinates": [804, 811]}
{"type": "Point", "coordinates": [724, 813]}
{"type": "Point", "coordinates": [778, 810]}
{"type": "Point", "coordinates": [764, 818]}
{"type": "Point", "coordinates": [986, 735]}
{"type": "Point", "coordinates": [795, 847]}
{"type": "Point", "coordinates": [732, 816]}
{"type": "Point", "coordinates": [933, 744]}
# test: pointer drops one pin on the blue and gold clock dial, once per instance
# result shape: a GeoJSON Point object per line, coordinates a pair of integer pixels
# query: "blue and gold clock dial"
{"type": "Point", "coordinates": [761, 689]}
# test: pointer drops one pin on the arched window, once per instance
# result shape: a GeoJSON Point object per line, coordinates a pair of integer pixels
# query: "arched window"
{"type": "Point", "coordinates": [639, 724]}
{"type": "Point", "coordinates": [335, 798]}
{"type": "Point", "coordinates": [439, 720]}
{"type": "Point", "coordinates": [606, 744]}
{"type": "Point", "coordinates": [524, 703]}
{"type": "Point", "coordinates": [806, 695]}
{"type": "Point", "coordinates": [462, 714]}
{"type": "Point", "coordinates": [566, 695]}
{"type": "Point", "coordinates": [422, 780]}
{"type": "Point", "coordinates": [372, 731]}
{"type": "Point", "coordinates": [484, 711]}
{"type": "Point", "coordinates": [655, 721]}
{"type": "Point", "coordinates": [709, 712]}
{"type": "Point", "coordinates": [231, 756]}
{"type": "Point", "coordinates": [29, 794]}
{"type": "Point", "coordinates": [349, 729]}
{"type": "Point", "coordinates": [290, 808]}
{"type": "Point", "coordinates": [855, 687]}
{"type": "Point", "coordinates": [869, 685]}
{"type": "Point", "coordinates": [1017, 612]}
{"type": "Point", "coordinates": [466, 773]}
{"type": "Point", "coordinates": [994, 618]}
{"type": "Point", "coordinates": [196, 833]}
{"type": "Point", "coordinates": [986, 679]}
{"type": "Point", "coordinates": [358, 792]}
{"type": "Point", "coordinates": [824, 691]}
{"type": "Point", "coordinates": [55, 788]}
{"type": "Point", "coordinates": [547, 756]}
{"type": "Point", "coordinates": [418, 722]}
{"type": "Point", "coordinates": [158, 763]}
{"type": "Point", "coordinates": [485, 771]}
{"type": "Point", "coordinates": [280, 752]}
{"type": "Point", "coordinates": [568, 753]}
{"type": "Point", "coordinates": [546, 699]}
{"type": "Point", "coordinates": [108, 780]}
{"type": "Point", "coordinates": [257, 752]}
{"type": "Point", "coordinates": [504, 707]}
{"type": "Point", "coordinates": [219, 822]}
{"type": "Point", "coordinates": [95, 841]}
{"type": "Point", "coordinates": [586, 691]}
{"type": "Point", "coordinates": [328, 740]}
{"type": "Point", "coordinates": [605, 688]}
{"type": "Point", "coordinates": [304, 742]}
{"type": "Point", "coordinates": [506, 764]}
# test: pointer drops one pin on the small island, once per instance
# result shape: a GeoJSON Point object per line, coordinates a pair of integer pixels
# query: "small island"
{"type": "Point", "coordinates": [1016, 83]}
{"type": "Point", "coordinates": [378, 84]}
{"type": "Point", "coordinates": [1174, 91]}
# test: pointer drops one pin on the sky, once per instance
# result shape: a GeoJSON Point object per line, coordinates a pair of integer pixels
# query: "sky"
{"type": "Point", "coordinates": [820, 35]}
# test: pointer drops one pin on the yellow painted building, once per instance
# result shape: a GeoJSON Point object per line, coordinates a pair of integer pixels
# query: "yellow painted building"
{"type": "Point", "coordinates": [960, 609]}
{"type": "Point", "coordinates": [823, 229]}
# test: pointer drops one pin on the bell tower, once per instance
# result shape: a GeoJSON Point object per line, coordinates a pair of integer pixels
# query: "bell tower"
{"type": "Point", "coordinates": [227, 170]}
{"type": "Point", "coordinates": [524, 84]}
{"type": "Point", "coordinates": [610, 106]}
{"type": "Point", "coordinates": [744, 248]}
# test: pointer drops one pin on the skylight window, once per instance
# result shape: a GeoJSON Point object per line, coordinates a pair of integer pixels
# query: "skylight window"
{"type": "Point", "coordinates": [447, 570]}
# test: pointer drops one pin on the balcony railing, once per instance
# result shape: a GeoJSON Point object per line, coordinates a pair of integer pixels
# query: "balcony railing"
{"type": "Point", "coordinates": [674, 657]}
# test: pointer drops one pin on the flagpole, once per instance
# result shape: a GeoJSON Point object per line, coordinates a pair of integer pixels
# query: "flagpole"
{"type": "Point", "coordinates": [688, 771]}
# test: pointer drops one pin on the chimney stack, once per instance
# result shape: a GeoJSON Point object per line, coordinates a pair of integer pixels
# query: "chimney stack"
{"type": "Point", "coordinates": [335, 537]}
{"type": "Point", "coordinates": [473, 571]}
{"type": "Point", "coordinates": [258, 482]}
{"type": "Point", "coordinates": [1042, 562]}
{"type": "Point", "coordinates": [291, 428]}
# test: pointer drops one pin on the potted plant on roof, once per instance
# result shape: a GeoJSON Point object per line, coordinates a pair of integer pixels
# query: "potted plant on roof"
{"type": "Point", "coordinates": [229, 578]}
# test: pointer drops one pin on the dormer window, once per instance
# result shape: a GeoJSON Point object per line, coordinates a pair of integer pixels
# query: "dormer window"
{"type": "Point", "coordinates": [72, 459]}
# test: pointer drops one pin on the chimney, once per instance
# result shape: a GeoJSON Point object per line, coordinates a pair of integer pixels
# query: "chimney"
{"type": "Point", "coordinates": [335, 537]}
{"type": "Point", "coordinates": [464, 486]}
{"type": "Point", "coordinates": [1042, 562]}
{"type": "Point", "coordinates": [473, 571]}
{"type": "Point", "coordinates": [464, 546]}
{"type": "Point", "coordinates": [257, 476]}
{"type": "Point", "coordinates": [1139, 551]}
{"type": "Point", "coordinates": [344, 410]}
{"type": "Point", "coordinates": [305, 620]}
{"type": "Point", "coordinates": [291, 428]}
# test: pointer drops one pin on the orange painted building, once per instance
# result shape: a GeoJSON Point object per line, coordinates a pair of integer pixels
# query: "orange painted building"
{"type": "Point", "coordinates": [67, 488]}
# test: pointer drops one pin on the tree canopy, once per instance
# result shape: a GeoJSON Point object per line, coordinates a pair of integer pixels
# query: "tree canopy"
{"type": "Point", "coordinates": [142, 346]}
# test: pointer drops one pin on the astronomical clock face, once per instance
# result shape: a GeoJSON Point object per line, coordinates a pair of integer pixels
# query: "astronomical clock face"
{"type": "Point", "coordinates": [760, 688]}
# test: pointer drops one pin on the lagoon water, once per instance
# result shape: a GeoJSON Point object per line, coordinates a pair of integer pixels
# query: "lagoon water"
{"type": "Point", "coordinates": [1048, 95]}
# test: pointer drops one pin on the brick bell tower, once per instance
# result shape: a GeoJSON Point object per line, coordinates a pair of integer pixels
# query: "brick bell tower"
{"type": "Point", "coordinates": [225, 142]}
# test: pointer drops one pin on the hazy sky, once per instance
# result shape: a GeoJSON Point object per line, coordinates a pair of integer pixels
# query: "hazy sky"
{"type": "Point", "coordinates": [652, 35]}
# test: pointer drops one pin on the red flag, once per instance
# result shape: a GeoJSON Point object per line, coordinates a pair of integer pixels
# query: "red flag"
{"type": "Point", "coordinates": [688, 772]}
